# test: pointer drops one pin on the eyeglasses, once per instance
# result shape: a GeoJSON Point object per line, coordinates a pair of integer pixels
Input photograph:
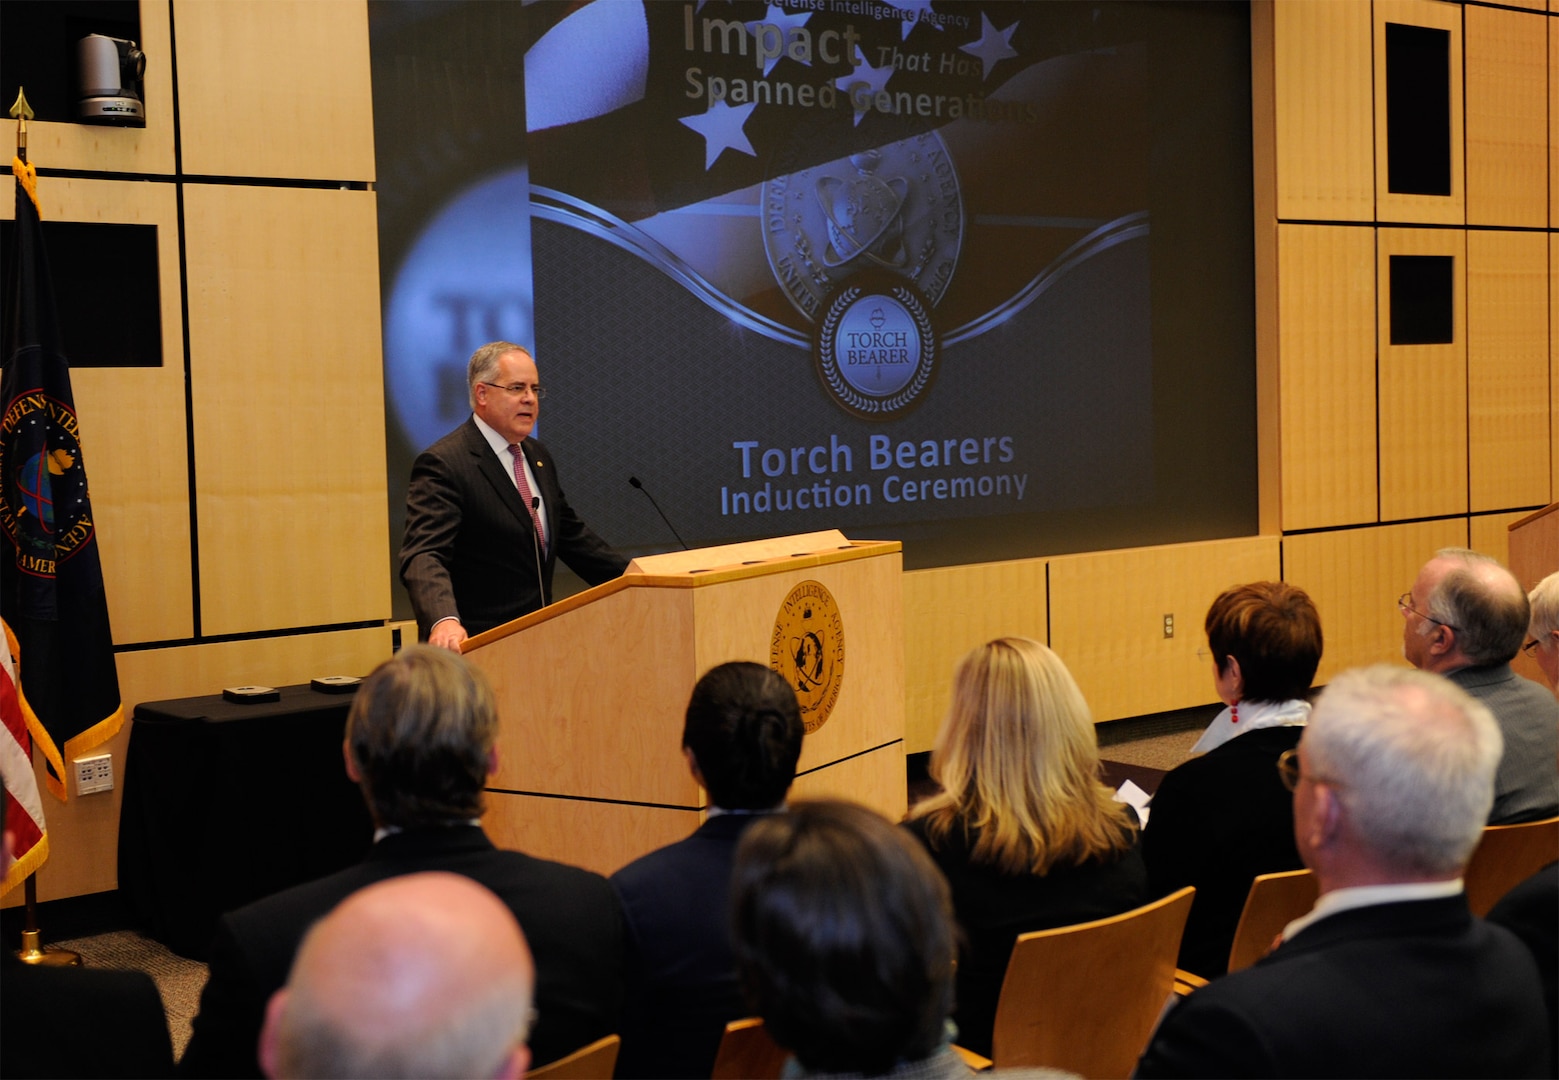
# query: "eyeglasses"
{"type": "Point", "coordinates": [1288, 771]}
{"type": "Point", "coordinates": [1405, 602]}
{"type": "Point", "coordinates": [1531, 647]}
{"type": "Point", "coordinates": [520, 388]}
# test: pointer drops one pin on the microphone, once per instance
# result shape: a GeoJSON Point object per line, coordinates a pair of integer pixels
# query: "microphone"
{"type": "Point", "coordinates": [634, 480]}
{"type": "Point", "coordinates": [541, 582]}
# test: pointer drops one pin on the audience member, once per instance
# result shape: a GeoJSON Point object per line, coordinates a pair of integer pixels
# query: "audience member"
{"type": "Point", "coordinates": [1464, 618]}
{"type": "Point", "coordinates": [845, 943]}
{"type": "Point", "coordinates": [1531, 912]}
{"type": "Point", "coordinates": [1544, 628]}
{"type": "Point", "coordinates": [1024, 831]}
{"type": "Point", "coordinates": [420, 744]}
{"type": "Point", "coordinates": [1223, 817]}
{"type": "Point", "coordinates": [1389, 974]}
{"type": "Point", "coordinates": [49, 1009]}
{"type": "Point", "coordinates": [419, 976]}
{"type": "Point", "coordinates": [742, 738]}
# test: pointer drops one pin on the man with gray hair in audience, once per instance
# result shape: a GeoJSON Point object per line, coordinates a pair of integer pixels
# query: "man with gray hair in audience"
{"type": "Point", "coordinates": [1544, 628]}
{"type": "Point", "coordinates": [1465, 618]}
{"type": "Point", "coordinates": [1389, 974]}
{"type": "Point", "coordinates": [425, 975]}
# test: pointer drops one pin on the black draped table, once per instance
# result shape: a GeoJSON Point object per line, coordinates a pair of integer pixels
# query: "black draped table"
{"type": "Point", "coordinates": [225, 803]}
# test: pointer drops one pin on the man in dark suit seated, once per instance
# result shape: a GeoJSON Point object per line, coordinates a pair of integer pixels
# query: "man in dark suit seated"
{"type": "Point", "coordinates": [486, 517]}
{"type": "Point", "coordinates": [420, 743]}
{"type": "Point", "coordinates": [421, 975]}
{"type": "Point", "coordinates": [742, 738]}
{"type": "Point", "coordinates": [1389, 974]}
{"type": "Point", "coordinates": [47, 1010]}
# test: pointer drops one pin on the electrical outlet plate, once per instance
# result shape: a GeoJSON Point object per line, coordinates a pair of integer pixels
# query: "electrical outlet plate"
{"type": "Point", "coordinates": [1169, 626]}
{"type": "Point", "coordinates": [94, 774]}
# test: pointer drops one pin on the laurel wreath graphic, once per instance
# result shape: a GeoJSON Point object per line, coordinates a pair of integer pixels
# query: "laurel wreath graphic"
{"type": "Point", "coordinates": [828, 364]}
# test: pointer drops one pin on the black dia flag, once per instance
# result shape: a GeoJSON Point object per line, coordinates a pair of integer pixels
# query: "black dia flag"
{"type": "Point", "coordinates": [51, 580]}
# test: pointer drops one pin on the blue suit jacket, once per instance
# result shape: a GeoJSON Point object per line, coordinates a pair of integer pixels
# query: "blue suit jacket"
{"type": "Point", "coordinates": [681, 973]}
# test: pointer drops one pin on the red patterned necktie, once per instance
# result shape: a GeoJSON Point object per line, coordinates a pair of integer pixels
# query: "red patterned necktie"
{"type": "Point", "coordinates": [525, 492]}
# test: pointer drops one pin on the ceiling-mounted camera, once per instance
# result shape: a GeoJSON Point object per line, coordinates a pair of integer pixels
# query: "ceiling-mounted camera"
{"type": "Point", "coordinates": [110, 71]}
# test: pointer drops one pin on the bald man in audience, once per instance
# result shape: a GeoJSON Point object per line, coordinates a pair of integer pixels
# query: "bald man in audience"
{"type": "Point", "coordinates": [426, 975]}
{"type": "Point", "coordinates": [1389, 974]}
{"type": "Point", "coordinates": [1465, 618]}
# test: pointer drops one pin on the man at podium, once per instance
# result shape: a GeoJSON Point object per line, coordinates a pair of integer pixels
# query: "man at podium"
{"type": "Point", "coordinates": [486, 518]}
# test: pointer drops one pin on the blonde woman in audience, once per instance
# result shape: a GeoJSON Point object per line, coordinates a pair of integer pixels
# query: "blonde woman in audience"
{"type": "Point", "coordinates": [1024, 831]}
{"type": "Point", "coordinates": [1544, 628]}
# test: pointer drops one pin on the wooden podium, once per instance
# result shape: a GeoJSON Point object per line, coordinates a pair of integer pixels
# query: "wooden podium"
{"type": "Point", "coordinates": [592, 690]}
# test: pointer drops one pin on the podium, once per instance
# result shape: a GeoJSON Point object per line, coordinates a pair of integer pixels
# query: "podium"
{"type": "Point", "coordinates": [592, 689]}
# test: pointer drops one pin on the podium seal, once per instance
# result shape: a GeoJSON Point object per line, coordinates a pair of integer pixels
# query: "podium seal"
{"type": "Point", "coordinates": [807, 649]}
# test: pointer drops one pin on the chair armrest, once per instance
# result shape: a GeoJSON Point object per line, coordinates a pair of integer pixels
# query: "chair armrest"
{"type": "Point", "coordinates": [971, 1059]}
{"type": "Point", "coordinates": [1185, 982]}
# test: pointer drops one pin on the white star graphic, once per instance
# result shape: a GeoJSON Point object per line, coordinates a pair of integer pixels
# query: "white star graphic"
{"type": "Point", "coordinates": [994, 45]}
{"type": "Point", "coordinates": [912, 9]}
{"type": "Point", "coordinates": [721, 128]}
{"type": "Point", "coordinates": [778, 17]}
{"type": "Point", "coordinates": [875, 78]}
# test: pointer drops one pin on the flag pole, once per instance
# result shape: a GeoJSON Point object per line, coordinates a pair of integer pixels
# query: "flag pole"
{"type": "Point", "coordinates": [21, 112]}
{"type": "Point", "coordinates": [31, 951]}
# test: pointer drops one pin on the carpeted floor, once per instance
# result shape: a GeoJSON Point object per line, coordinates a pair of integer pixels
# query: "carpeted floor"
{"type": "Point", "coordinates": [178, 980]}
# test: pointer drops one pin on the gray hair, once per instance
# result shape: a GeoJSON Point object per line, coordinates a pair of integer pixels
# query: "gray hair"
{"type": "Point", "coordinates": [1412, 756]}
{"type": "Point", "coordinates": [484, 364]}
{"type": "Point", "coordinates": [1483, 603]}
{"type": "Point", "coordinates": [1544, 600]}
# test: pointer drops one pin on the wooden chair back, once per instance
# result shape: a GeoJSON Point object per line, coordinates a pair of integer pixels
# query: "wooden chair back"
{"type": "Point", "coordinates": [594, 1062]}
{"type": "Point", "coordinates": [1086, 997]}
{"type": "Point", "coordinates": [748, 1053]}
{"type": "Point", "coordinates": [1275, 900]}
{"type": "Point", "coordinates": [1505, 857]}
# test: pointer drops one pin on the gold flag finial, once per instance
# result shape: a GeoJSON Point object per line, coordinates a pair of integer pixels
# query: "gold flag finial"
{"type": "Point", "coordinates": [21, 112]}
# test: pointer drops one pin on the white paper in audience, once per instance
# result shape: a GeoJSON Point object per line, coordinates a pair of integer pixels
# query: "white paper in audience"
{"type": "Point", "coordinates": [1130, 793]}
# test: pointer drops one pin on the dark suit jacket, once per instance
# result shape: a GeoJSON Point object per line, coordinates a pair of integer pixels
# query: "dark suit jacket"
{"type": "Point", "coordinates": [81, 1022]}
{"type": "Point", "coordinates": [1531, 912]}
{"type": "Point", "coordinates": [1217, 821]}
{"type": "Point", "coordinates": [1416, 989]}
{"type": "Point", "coordinates": [993, 908]}
{"type": "Point", "coordinates": [470, 543]}
{"type": "Point", "coordinates": [571, 920]}
{"type": "Point", "coordinates": [681, 972]}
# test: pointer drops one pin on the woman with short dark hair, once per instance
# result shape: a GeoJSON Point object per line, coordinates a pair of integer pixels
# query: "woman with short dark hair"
{"type": "Point", "coordinates": [1224, 817]}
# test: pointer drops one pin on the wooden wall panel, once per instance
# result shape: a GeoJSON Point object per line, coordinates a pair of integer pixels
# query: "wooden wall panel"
{"type": "Point", "coordinates": [1507, 117]}
{"type": "Point", "coordinates": [84, 833]}
{"type": "Point", "coordinates": [1354, 576]}
{"type": "Point", "coordinates": [1490, 533]}
{"type": "Point", "coordinates": [58, 145]}
{"type": "Point", "coordinates": [1428, 209]}
{"type": "Point", "coordinates": [1507, 369]}
{"type": "Point", "coordinates": [1423, 393]}
{"type": "Point", "coordinates": [1107, 610]}
{"type": "Point", "coordinates": [1324, 111]}
{"type": "Point", "coordinates": [1326, 375]}
{"type": "Point", "coordinates": [288, 406]}
{"type": "Point", "coordinates": [1553, 353]}
{"type": "Point", "coordinates": [132, 425]}
{"type": "Point", "coordinates": [948, 611]}
{"type": "Point", "coordinates": [275, 88]}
